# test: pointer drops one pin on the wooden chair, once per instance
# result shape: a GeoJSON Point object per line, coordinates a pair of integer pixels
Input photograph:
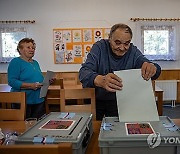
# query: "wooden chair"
{"type": "Point", "coordinates": [6, 99]}
{"type": "Point", "coordinates": [84, 93]}
{"type": "Point", "coordinates": [53, 94]}
{"type": "Point", "coordinates": [37, 148]}
{"type": "Point", "coordinates": [3, 78]}
{"type": "Point", "coordinates": [153, 85]}
{"type": "Point", "coordinates": [69, 78]}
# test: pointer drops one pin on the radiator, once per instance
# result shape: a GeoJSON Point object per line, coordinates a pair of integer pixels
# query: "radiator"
{"type": "Point", "coordinates": [169, 88]}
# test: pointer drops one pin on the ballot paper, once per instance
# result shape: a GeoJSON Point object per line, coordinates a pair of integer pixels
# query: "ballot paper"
{"type": "Point", "coordinates": [44, 88]}
{"type": "Point", "coordinates": [136, 100]}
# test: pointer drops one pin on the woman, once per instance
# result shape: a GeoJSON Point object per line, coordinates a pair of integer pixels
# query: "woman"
{"type": "Point", "coordinates": [24, 74]}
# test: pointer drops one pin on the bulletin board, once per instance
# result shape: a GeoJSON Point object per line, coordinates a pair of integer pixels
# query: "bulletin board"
{"type": "Point", "coordinates": [71, 45]}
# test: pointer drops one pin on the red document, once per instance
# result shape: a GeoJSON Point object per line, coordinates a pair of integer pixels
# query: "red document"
{"type": "Point", "coordinates": [139, 128]}
{"type": "Point", "coordinates": [57, 125]}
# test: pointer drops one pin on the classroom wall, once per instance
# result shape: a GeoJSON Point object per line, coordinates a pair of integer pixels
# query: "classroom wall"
{"type": "Point", "coordinates": [50, 14]}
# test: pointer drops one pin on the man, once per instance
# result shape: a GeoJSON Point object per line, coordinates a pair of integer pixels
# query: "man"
{"type": "Point", "coordinates": [116, 53]}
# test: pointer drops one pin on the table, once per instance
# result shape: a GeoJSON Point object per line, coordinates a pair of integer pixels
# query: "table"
{"type": "Point", "coordinates": [11, 126]}
{"type": "Point", "coordinates": [159, 95]}
{"type": "Point", "coordinates": [19, 126]}
{"type": "Point", "coordinates": [4, 88]}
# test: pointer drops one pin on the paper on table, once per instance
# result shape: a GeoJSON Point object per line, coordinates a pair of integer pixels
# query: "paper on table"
{"type": "Point", "coordinates": [44, 88]}
{"type": "Point", "coordinates": [136, 101]}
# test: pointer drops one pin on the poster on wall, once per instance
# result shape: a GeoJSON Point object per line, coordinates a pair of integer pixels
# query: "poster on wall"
{"type": "Point", "coordinates": [72, 45]}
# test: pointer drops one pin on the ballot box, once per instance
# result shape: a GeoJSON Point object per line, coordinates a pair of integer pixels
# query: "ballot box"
{"type": "Point", "coordinates": [156, 137]}
{"type": "Point", "coordinates": [59, 127]}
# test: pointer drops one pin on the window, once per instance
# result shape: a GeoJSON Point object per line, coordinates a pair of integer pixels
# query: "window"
{"type": "Point", "coordinates": [9, 38]}
{"type": "Point", "coordinates": [158, 41]}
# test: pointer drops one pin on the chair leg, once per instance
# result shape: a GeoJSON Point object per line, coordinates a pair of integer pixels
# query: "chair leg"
{"type": "Point", "coordinates": [173, 103]}
{"type": "Point", "coordinates": [47, 107]}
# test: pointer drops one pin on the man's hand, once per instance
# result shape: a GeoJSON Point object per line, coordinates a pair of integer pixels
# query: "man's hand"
{"type": "Point", "coordinates": [110, 82]}
{"type": "Point", "coordinates": [148, 70]}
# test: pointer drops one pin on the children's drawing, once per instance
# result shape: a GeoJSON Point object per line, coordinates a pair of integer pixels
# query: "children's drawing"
{"type": "Point", "coordinates": [72, 45]}
{"type": "Point", "coordinates": [87, 49]}
{"type": "Point", "coordinates": [59, 57]}
{"type": "Point", "coordinates": [77, 36]}
{"type": "Point", "coordinates": [57, 47]}
{"type": "Point", "coordinates": [69, 56]}
{"type": "Point", "coordinates": [106, 33]}
{"type": "Point", "coordinates": [87, 35]}
{"type": "Point", "coordinates": [57, 36]}
{"type": "Point", "coordinates": [66, 36]}
{"type": "Point", "coordinates": [97, 35]}
{"type": "Point", "coordinates": [77, 50]}
{"type": "Point", "coordinates": [61, 47]}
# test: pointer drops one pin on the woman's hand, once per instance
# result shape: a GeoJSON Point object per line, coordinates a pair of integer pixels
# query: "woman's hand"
{"type": "Point", "coordinates": [36, 85]}
{"type": "Point", "coordinates": [33, 86]}
{"type": "Point", "coordinates": [52, 80]}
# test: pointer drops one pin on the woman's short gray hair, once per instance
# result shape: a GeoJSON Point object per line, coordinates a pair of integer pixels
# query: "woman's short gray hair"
{"type": "Point", "coordinates": [24, 40]}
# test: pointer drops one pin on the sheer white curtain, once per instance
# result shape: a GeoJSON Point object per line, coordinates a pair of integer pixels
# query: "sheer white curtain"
{"type": "Point", "coordinates": [10, 35]}
{"type": "Point", "coordinates": [158, 40]}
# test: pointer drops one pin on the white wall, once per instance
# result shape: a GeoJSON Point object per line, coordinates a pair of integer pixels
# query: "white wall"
{"type": "Point", "coordinates": [50, 14]}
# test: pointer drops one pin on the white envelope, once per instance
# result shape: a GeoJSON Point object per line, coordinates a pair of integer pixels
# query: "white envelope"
{"type": "Point", "coordinates": [136, 101]}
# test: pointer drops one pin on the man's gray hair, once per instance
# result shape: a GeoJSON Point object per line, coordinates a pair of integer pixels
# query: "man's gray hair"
{"type": "Point", "coordinates": [120, 26]}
